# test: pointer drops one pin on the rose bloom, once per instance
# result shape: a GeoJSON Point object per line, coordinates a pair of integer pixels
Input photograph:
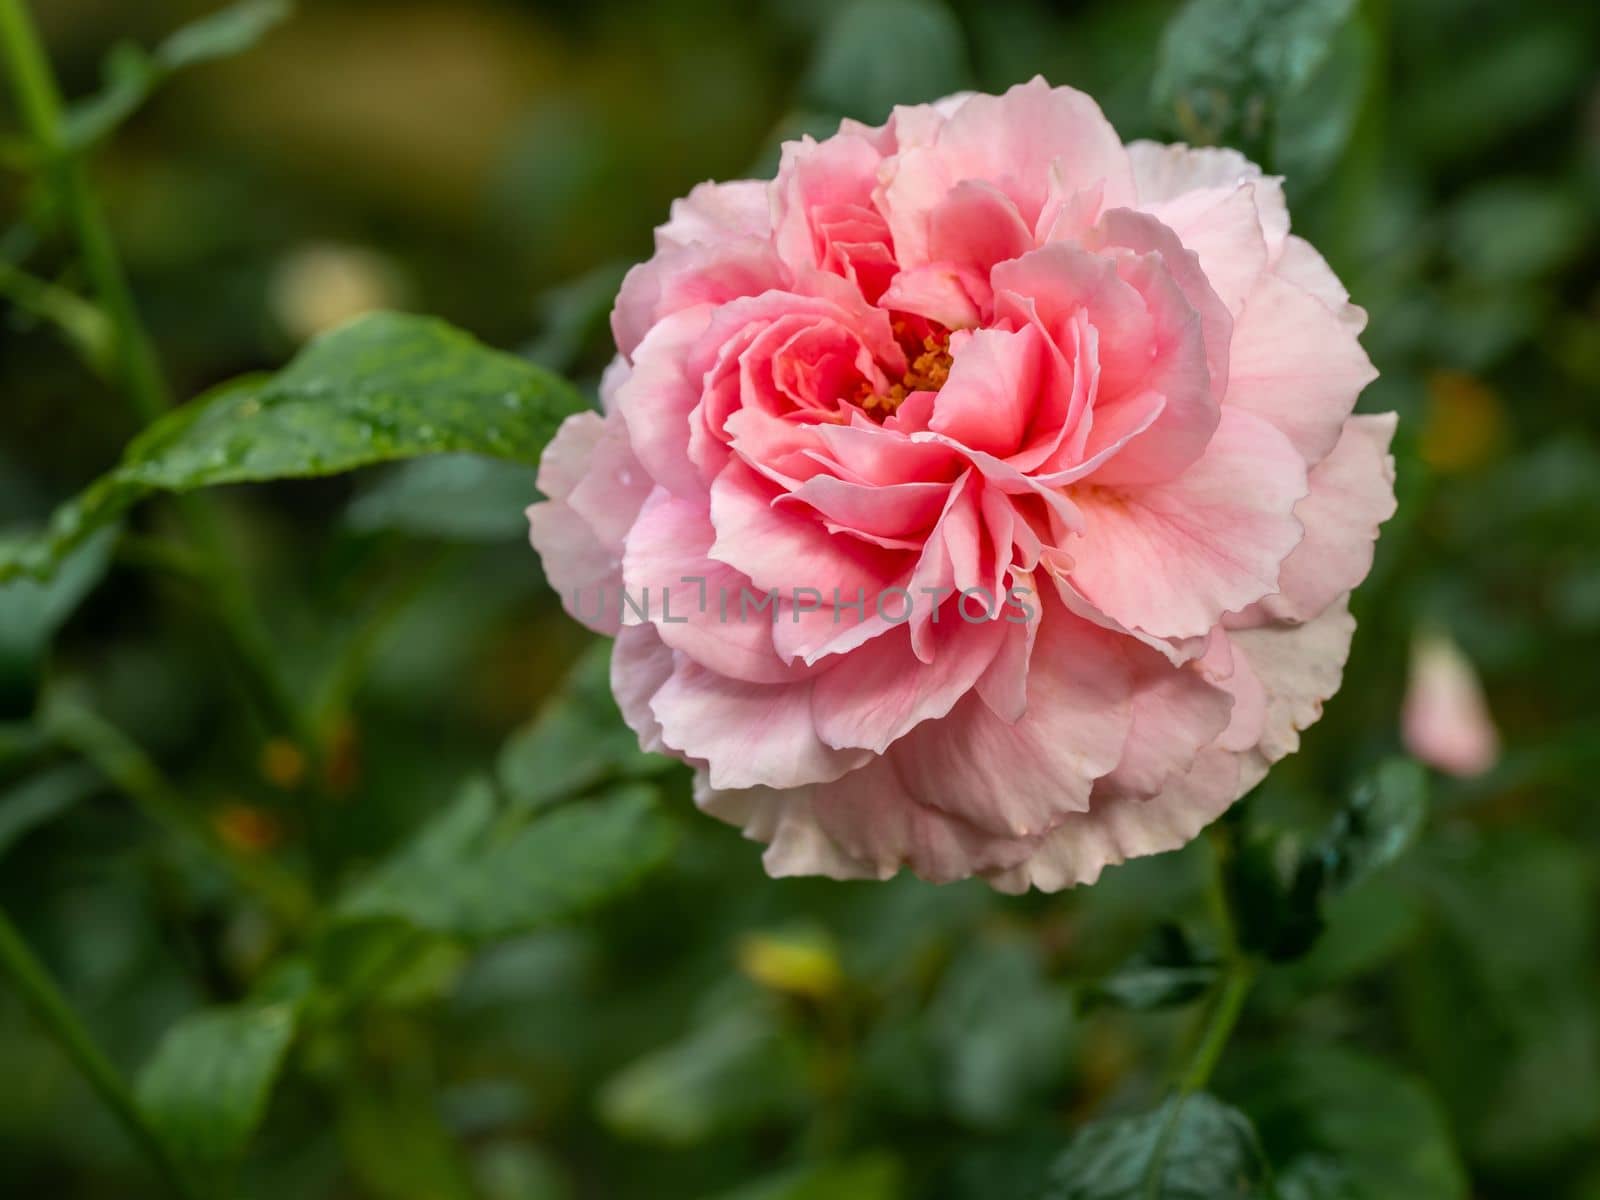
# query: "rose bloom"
{"type": "Point", "coordinates": [987, 349]}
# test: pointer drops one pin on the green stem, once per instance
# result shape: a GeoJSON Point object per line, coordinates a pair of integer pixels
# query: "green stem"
{"type": "Point", "coordinates": [1226, 1005]}
{"type": "Point", "coordinates": [1238, 974]}
{"type": "Point", "coordinates": [56, 1015]}
{"type": "Point", "coordinates": [82, 324]}
{"type": "Point", "coordinates": [40, 104]}
{"type": "Point", "coordinates": [39, 101]}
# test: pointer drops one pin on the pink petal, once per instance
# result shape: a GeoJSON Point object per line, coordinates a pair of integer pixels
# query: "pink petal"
{"type": "Point", "coordinates": [880, 691]}
{"type": "Point", "coordinates": [1013, 140]}
{"type": "Point", "coordinates": [939, 292]}
{"type": "Point", "coordinates": [657, 399]}
{"type": "Point", "coordinates": [1016, 779]}
{"type": "Point", "coordinates": [1301, 265]}
{"type": "Point", "coordinates": [993, 390]}
{"type": "Point", "coordinates": [796, 844]}
{"type": "Point", "coordinates": [747, 734]}
{"type": "Point", "coordinates": [640, 663]}
{"type": "Point", "coordinates": [1352, 494]}
{"type": "Point", "coordinates": [1445, 719]}
{"type": "Point", "coordinates": [1084, 844]}
{"type": "Point", "coordinates": [1177, 712]}
{"type": "Point", "coordinates": [1296, 364]}
{"type": "Point", "coordinates": [683, 277]}
{"type": "Point", "coordinates": [692, 599]}
{"type": "Point", "coordinates": [719, 212]}
{"type": "Point", "coordinates": [782, 548]}
{"type": "Point", "coordinates": [1299, 667]}
{"type": "Point", "coordinates": [1170, 559]}
{"type": "Point", "coordinates": [1167, 172]}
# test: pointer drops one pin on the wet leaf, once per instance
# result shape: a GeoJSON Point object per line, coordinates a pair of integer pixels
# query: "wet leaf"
{"type": "Point", "coordinates": [480, 873]}
{"type": "Point", "coordinates": [1191, 1148]}
{"type": "Point", "coordinates": [385, 387]}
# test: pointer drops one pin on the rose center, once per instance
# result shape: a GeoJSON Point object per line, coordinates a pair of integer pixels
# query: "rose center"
{"type": "Point", "coordinates": [928, 370]}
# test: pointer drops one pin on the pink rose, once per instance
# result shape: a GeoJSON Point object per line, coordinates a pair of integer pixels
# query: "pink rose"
{"type": "Point", "coordinates": [1066, 424]}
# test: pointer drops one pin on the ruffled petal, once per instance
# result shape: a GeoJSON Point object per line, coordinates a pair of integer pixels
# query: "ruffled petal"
{"type": "Point", "coordinates": [1171, 559]}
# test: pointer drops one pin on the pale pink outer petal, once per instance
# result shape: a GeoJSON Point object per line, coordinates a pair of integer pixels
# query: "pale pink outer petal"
{"type": "Point", "coordinates": [1165, 173]}
{"type": "Point", "coordinates": [1297, 364]}
{"type": "Point", "coordinates": [1010, 141]}
{"type": "Point", "coordinates": [578, 541]}
{"type": "Point", "coordinates": [747, 734]}
{"type": "Point", "coordinates": [783, 821]}
{"type": "Point", "coordinates": [1445, 719]}
{"type": "Point", "coordinates": [715, 212]}
{"type": "Point", "coordinates": [1083, 845]}
{"type": "Point", "coordinates": [1177, 713]}
{"type": "Point", "coordinates": [1015, 779]}
{"type": "Point", "coordinates": [1352, 494]}
{"type": "Point", "coordinates": [1298, 668]}
{"type": "Point", "coordinates": [1302, 266]}
{"type": "Point", "coordinates": [1223, 228]}
{"type": "Point", "coordinates": [683, 277]}
{"type": "Point", "coordinates": [657, 398]}
{"type": "Point", "coordinates": [1172, 559]}
{"type": "Point", "coordinates": [640, 663]}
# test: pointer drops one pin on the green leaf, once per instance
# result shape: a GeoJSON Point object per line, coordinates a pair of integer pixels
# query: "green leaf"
{"type": "Point", "coordinates": [852, 75]}
{"type": "Point", "coordinates": [387, 386]}
{"type": "Point", "coordinates": [1505, 1025]}
{"type": "Point", "coordinates": [1342, 1126]}
{"type": "Point", "coordinates": [454, 497]}
{"type": "Point", "coordinates": [992, 1071]}
{"type": "Point", "coordinates": [735, 1070]}
{"type": "Point", "coordinates": [1381, 821]}
{"type": "Point", "coordinates": [1227, 67]}
{"type": "Point", "coordinates": [27, 805]}
{"type": "Point", "coordinates": [395, 1143]}
{"type": "Point", "coordinates": [131, 75]}
{"type": "Point", "coordinates": [1167, 971]}
{"type": "Point", "coordinates": [220, 35]}
{"type": "Point", "coordinates": [1280, 888]}
{"type": "Point", "coordinates": [480, 873]}
{"type": "Point", "coordinates": [1314, 122]}
{"type": "Point", "coordinates": [206, 1088]}
{"type": "Point", "coordinates": [32, 610]}
{"type": "Point", "coordinates": [575, 317]}
{"type": "Point", "coordinates": [578, 740]}
{"type": "Point", "coordinates": [867, 1177]}
{"type": "Point", "coordinates": [1191, 1148]}
{"type": "Point", "coordinates": [384, 960]}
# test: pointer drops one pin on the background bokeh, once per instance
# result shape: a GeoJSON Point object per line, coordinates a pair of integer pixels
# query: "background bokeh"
{"type": "Point", "coordinates": [713, 1033]}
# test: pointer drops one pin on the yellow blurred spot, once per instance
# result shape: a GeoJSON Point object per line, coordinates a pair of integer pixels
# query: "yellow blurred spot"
{"type": "Point", "coordinates": [800, 964]}
{"type": "Point", "coordinates": [1465, 424]}
{"type": "Point", "coordinates": [247, 828]}
{"type": "Point", "coordinates": [319, 287]}
{"type": "Point", "coordinates": [283, 764]}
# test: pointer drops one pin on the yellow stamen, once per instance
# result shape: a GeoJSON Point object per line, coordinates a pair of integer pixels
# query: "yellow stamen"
{"type": "Point", "coordinates": [927, 373]}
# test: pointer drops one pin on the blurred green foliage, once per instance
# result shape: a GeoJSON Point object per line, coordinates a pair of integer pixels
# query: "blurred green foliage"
{"type": "Point", "coordinates": [453, 935]}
